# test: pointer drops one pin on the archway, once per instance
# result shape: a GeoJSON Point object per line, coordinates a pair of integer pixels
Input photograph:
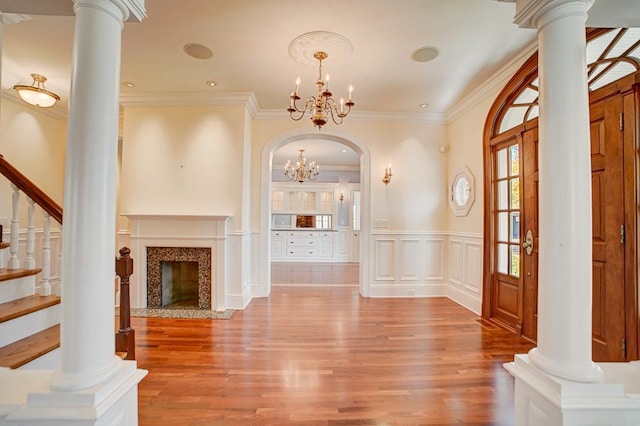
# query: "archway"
{"type": "Point", "coordinates": [265, 199]}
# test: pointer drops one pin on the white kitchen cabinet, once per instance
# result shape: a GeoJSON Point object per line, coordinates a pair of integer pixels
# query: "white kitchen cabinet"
{"type": "Point", "coordinates": [278, 244]}
{"type": "Point", "coordinates": [302, 246]}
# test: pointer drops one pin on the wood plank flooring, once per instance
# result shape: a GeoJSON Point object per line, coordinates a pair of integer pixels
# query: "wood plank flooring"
{"type": "Point", "coordinates": [326, 356]}
{"type": "Point", "coordinates": [315, 274]}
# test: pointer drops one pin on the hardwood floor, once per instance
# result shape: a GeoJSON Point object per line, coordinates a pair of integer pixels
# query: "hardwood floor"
{"type": "Point", "coordinates": [317, 274]}
{"type": "Point", "coordinates": [326, 356]}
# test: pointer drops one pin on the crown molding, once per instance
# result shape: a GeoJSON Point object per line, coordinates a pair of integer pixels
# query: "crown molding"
{"type": "Point", "coordinates": [492, 85]}
{"type": "Point", "coordinates": [13, 18]}
{"type": "Point", "coordinates": [190, 99]}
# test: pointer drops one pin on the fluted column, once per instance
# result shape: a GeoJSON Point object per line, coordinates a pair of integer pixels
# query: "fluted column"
{"type": "Point", "coordinates": [87, 334]}
{"type": "Point", "coordinates": [565, 248]}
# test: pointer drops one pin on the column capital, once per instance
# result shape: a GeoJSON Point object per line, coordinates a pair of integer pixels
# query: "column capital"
{"type": "Point", "coordinates": [130, 9]}
{"type": "Point", "coordinates": [531, 13]}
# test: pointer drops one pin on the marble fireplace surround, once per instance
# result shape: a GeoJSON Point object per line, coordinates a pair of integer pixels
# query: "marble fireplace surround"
{"type": "Point", "coordinates": [179, 232]}
{"type": "Point", "coordinates": [157, 255]}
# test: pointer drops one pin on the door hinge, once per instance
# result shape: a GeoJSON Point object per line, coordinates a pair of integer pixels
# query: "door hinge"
{"type": "Point", "coordinates": [622, 234]}
{"type": "Point", "coordinates": [624, 348]}
{"type": "Point", "coordinates": [621, 121]}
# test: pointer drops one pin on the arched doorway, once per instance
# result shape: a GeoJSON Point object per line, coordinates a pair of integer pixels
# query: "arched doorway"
{"type": "Point", "coordinates": [511, 196]}
{"type": "Point", "coordinates": [265, 200]}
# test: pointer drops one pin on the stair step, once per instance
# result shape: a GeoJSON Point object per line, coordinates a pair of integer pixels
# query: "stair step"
{"type": "Point", "coordinates": [26, 350]}
{"type": "Point", "coordinates": [25, 306]}
{"type": "Point", "coordinates": [10, 274]}
{"type": "Point", "coordinates": [4, 245]}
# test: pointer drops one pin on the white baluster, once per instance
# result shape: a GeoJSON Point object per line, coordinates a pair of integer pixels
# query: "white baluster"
{"type": "Point", "coordinates": [45, 286]}
{"type": "Point", "coordinates": [60, 270]}
{"type": "Point", "coordinates": [14, 262]}
{"type": "Point", "coordinates": [30, 261]}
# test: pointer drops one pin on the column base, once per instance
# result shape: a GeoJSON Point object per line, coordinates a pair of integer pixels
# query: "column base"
{"type": "Point", "coordinates": [35, 404]}
{"type": "Point", "coordinates": [589, 373]}
{"type": "Point", "coordinates": [544, 399]}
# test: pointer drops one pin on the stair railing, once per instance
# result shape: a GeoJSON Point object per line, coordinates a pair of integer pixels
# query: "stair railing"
{"type": "Point", "coordinates": [20, 184]}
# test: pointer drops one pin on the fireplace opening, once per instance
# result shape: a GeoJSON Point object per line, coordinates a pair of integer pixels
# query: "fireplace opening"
{"type": "Point", "coordinates": [179, 284]}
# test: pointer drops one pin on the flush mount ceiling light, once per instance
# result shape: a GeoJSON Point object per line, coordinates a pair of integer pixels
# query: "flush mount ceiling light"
{"type": "Point", "coordinates": [37, 94]}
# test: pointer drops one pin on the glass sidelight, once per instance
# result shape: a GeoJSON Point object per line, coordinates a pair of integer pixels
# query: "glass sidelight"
{"type": "Point", "coordinates": [507, 208]}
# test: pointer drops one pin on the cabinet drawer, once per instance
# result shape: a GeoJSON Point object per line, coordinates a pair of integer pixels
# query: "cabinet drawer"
{"type": "Point", "coordinates": [302, 234]}
{"type": "Point", "coordinates": [275, 234]}
{"type": "Point", "coordinates": [302, 242]}
{"type": "Point", "coordinates": [301, 252]}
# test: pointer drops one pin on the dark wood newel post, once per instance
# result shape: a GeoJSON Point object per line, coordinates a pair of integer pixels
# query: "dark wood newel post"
{"type": "Point", "coordinates": [125, 337]}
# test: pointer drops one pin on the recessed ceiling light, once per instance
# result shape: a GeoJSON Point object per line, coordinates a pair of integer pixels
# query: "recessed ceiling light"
{"type": "Point", "coordinates": [425, 54]}
{"type": "Point", "coordinates": [128, 84]}
{"type": "Point", "coordinates": [424, 105]}
{"type": "Point", "coordinates": [211, 83]}
{"type": "Point", "coordinates": [344, 150]}
{"type": "Point", "coordinates": [198, 51]}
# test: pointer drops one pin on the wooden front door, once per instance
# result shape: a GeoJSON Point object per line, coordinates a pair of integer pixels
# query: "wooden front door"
{"type": "Point", "coordinates": [514, 287]}
{"type": "Point", "coordinates": [514, 290]}
{"type": "Point", "coordinates": [607, 180]}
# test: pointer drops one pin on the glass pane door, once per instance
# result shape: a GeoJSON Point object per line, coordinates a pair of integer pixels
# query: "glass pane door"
{"type": "Point", "coordinates": [507, 210]}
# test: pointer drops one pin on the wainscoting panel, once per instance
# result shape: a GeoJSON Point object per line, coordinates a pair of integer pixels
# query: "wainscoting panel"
{"type": "Point", "coordinates": [465, 270]}
{"type": "Point", "coordinates": [472, 267]}
{"type": "Point", "coordinates": [434, 259]}
{"type": "Point", "coordinates": [408, 264]}
{"type": "Point", "coordinates": [384, 264]}
{"type": "Point", "coordinates": [455, 262]}
{"type": "Point", "coordinates": [410, 259]}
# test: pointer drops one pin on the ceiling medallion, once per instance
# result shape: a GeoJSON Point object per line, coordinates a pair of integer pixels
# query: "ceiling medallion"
{"type": "Point", "coordinates": [303, 48]}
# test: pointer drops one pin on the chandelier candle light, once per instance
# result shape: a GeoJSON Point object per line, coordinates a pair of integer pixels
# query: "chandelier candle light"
{"type": "Point", "coordinates": [300, 172]}
{"type": "Point", "coordinates": [323, 105]}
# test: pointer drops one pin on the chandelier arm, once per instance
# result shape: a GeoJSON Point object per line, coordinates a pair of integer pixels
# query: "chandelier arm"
{"type": "Point", "coordinates": [333, 111]}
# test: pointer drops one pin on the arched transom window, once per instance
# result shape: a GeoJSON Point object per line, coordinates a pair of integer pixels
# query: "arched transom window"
{"type": "Point", "coordinates": [611, 55]}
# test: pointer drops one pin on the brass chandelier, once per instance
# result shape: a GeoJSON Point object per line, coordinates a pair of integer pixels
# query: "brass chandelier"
{"type": "Point", "coordinates": [321, 106]}
{"type": "Point", "coordinates": [301, 172]}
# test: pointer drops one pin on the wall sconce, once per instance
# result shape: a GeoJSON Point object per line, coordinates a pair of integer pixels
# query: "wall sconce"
{"type": "Point", "coordinates": [387, 175]}
{"type": "Point", "coordinates": [341, 196]}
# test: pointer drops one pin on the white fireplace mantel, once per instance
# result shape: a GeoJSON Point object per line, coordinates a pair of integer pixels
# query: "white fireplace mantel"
{"type": "Point", "coordinates": [172, 230]}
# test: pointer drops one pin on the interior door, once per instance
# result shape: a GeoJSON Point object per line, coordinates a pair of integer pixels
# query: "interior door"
{"type": "Point", "coordinates": [607, 179]}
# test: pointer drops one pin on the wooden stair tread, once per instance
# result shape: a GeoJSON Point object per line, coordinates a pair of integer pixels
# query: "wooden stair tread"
{"type": "Point", "coordinates": [4, 245]}
{"type": "Point", "coordinates": [10, 274]}
{"type": "Point", "coordinates": [26, 305]}
{"type": "Point", "coordinates": [26, 350]}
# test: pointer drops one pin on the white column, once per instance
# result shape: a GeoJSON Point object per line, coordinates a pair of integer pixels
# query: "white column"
{"type": "Point", "coordinates": [87, 335]}
{"type": "Point", "coordinates": [564, 289]}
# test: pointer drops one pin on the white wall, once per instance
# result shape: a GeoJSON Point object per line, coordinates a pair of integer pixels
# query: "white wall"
{"type": "Point", "coordinates": [183, 160]}
{"type": "Point", "coordinates": [34, 143]}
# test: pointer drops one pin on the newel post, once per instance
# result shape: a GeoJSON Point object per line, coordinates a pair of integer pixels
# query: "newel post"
{"type": "Point", "coordinates": [125, 337]}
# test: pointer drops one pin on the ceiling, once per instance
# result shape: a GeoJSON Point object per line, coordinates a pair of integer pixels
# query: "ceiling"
{"type": "Point", "coordinates": [250, 44]}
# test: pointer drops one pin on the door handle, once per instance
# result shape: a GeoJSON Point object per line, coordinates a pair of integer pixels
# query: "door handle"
{"type": "Point", "coordinates": [528, 242]}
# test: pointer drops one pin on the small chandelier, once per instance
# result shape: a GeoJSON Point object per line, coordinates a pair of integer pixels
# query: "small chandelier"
{"type": "Point", "coordinates": [37, 94]}
{"type": "Point", "coordinates": [323, 105]}
{"type": "Point", "coordinates": [301, 172]}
